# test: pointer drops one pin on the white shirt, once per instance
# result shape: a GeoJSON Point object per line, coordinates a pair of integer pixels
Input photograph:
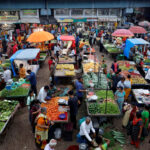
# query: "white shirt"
{"type": "Point", "coordinates": [42, 95]}
{"type": "Point", "coordinates": [120, 84]}
{"type": "Point", "coordinates": [85, 130]}
{"type": "Point", "coordinates": [148, 75]}
{"type": "Point", "coordinates": [7, 75]}
{"type": "Point", "coordinates": [56, 48]}
{"type": "Point", "coordinates": [47, 147]}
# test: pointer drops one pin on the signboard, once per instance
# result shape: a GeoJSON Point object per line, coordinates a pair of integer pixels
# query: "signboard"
{"type": "Point", "coordinates": [64, 20]}
{"type": "Point", "coordinates": [9, 18]}
{"type": "Point", "coordinates": [92, 19]}
{"type": "Point", "coordinates": [29, 12]}
{"type": "Point", "coordinates": [107, 18]}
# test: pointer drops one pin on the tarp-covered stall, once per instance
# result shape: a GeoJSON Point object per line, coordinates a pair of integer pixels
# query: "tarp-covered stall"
{"type": "Point", "coordinates": [131, 43]}
{"type": "Point", "coordinates": [22, 56]}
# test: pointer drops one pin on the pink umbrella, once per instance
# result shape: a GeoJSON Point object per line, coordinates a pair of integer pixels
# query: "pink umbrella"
{"type": "Point", "coordinates": [67, 38]}
{"type": "Point", "coordinates": [144, 23]}
{"type": "Point", "coordinates": [122, 33]}
{"type": "Point", "coordinates": [137, 29]}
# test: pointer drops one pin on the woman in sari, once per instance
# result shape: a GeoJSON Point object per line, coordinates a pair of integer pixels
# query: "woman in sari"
{"type": "Point", "coordinates": [127, 86]}
{"type": "Point", "coordinates": [42, 127]}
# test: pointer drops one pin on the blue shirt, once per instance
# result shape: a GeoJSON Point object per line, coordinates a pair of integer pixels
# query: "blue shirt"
{"type": "Point", "coordinates": [32, 78]}
{"type": "Point", "coordinates": [120, 95]}
{"type": "Point", "coordinates": [79, 86]}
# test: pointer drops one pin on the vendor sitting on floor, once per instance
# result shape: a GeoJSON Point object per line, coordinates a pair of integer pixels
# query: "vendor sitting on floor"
{"type": "Point", "coordinates": [85, 129]}
{"type": "Point", "coordinates": [52, 90]}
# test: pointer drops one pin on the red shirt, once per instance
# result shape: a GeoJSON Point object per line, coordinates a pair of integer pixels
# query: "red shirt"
{"type": "Point", "coordinates": [15, 48]}
{"type": "Point", "coordinates": [49, 63]}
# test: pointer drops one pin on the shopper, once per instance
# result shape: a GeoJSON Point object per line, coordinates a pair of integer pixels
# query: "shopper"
{"type": "Point", "coordinates": [73, 104]}
{"type": "Point", "coordinates": [136, 131]}
{"type": "Point", "coordinates": [42, 127]}
{"type": "Point", "coordinates": [115, 66]}
{"type": "Point", "coordinates": [30, 98]}
{"type": "Point", "coordinates": [51, 145]}
{"type": "Point", "coordinates": [119, 96]}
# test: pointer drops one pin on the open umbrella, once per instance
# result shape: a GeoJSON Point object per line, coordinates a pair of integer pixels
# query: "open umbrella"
{"type": "Point", "coordinates": [137, 29]}
{"type": "Point", "coordinates": [40, 36]}
{"type": "Point", "coordinates": [122, 33]}
{"type": "Point", "coordinates": [67, 38]}
{"type": "Point", "coordinates": [144, 23]}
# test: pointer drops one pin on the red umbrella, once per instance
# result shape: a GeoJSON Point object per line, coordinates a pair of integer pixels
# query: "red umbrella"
{"type": "Point", "coordinates": [122, 33]}
{"type": "Point", "coordinates": [67, 38]}
{"type": "Point", "coordinates": [137, 29]}
{"type": "Point", "coordinates": [144, 23]}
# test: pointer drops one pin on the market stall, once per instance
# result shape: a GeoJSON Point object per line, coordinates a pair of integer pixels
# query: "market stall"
{"type": "Point", "coordinates": [102, 103]}
{"type": "Point", "coordinates": [57, 109]}
{"type": "Point", "coordinates": [130, 43]}
{"type": "Point", "coordinates": [7, 112]}
{"type": "Point", "coordinates": [112, 49]}
{"type": "Point", "coordinates": [64, 70]}
{"type": "Point", "coordinates": [129, 67]}
{"type": "Point", "coordinates": [142, 96]}
{"type": "Point", "coordinates": [26, 57]}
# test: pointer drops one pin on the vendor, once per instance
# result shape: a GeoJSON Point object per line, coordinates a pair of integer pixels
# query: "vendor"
{"type": "Point", "coordinates": [43, 94]}
{"type": "Point", "coordinates": [52, 90]}
{"type": "Point", "coordinates": [79, 88]}
{"type": "Point", "coordinates": [32, 79]}
{"type": "Point", "coordinates": [85, 129]}
{"type": "Point", "coordinates": [6, 74]}
{"type": "Point", "coordinates": [22, 71]}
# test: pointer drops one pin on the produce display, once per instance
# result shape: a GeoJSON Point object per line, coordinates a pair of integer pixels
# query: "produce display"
{"type": "Point", "coordinates": [64, 59]}
{"type": "Point", "coordinates": [99, 108]}
{"type": "Point", "coordinates": [69, 73]}
{"type": "Point", "coordinates": [65, 66]}
{"type": "Point", "coordinates": [138, 79]}
{"type": "Point", "coordinates": [102, 94]}
{"type": "Point", "coordinates": [6, 108]}
{"type": "Point", "coordinates": [111, 48]}
{"type": "Point", "coordinates": [147, 61]}
{"type": "Point", "coordinates": [119, 137]}
{"type": "Point", "coordinates": [52, 108]}
{"type": "Point", "coordinates": [91, 77]}
{"type": "Point", "coordinates": [19, 91]}
{"type": "Point", "coordinates": [90, 67]}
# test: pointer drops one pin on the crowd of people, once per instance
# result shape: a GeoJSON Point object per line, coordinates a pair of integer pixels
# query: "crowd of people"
{"type": "Point", "coordinates": [135, 119]}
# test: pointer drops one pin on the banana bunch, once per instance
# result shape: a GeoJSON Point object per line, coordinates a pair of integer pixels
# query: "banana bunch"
{"type": "Point", "coordinates": [69, 73]}
{"type": "Point", "coordinates": [65, 66]}
{"type": "Point", "coordinates": [89, 66]}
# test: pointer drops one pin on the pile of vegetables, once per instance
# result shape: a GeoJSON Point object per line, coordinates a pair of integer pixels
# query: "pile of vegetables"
{"type": "Point", "coordinates": [119, 137]}
{"type": "Point", "coordinates": [19, 91]}
{"type": "Point", "coordinates": [113, 50]}
{"type": "Point", "coordinates": [93, 78]}
{"type": "Point", "coordinates": [138, 79]}
{"type": "Point", "coordinates": [102, 94]}
{"type": "Point", "coordinates": [6, 108]}
{"type": "Point", "coordinates": [99, 108]}
{"type": "Point", "coordinates": [52, 108]}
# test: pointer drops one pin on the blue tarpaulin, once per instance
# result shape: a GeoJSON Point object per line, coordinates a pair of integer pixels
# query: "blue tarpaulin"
{"type": "Point", "coordinates": [131, 43]}
{"type": "Point", "coordinates": [25, 54]}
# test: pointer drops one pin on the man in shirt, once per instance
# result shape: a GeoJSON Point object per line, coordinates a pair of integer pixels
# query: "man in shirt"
{"type": "Point", "coordinates": [43, 94]}
{"type": "Point", "coordinates": [32, 79]}
{"type": "Point", "coordinates": [121, 83]}
{"type": "Point", "coordinates": [79, 89]}
{"type": "Point", "coordinates": [85, 129]}
{"type": "Point", "coordinates": [22, 71]}
{"type": "Point", "coordinates": [6, 74]}
{"type": "Point", "coordinates": [73, 104]}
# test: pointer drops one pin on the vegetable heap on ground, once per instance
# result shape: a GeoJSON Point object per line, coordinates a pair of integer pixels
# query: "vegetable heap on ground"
{"type": "Point", "coordinates": [6, 108]}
